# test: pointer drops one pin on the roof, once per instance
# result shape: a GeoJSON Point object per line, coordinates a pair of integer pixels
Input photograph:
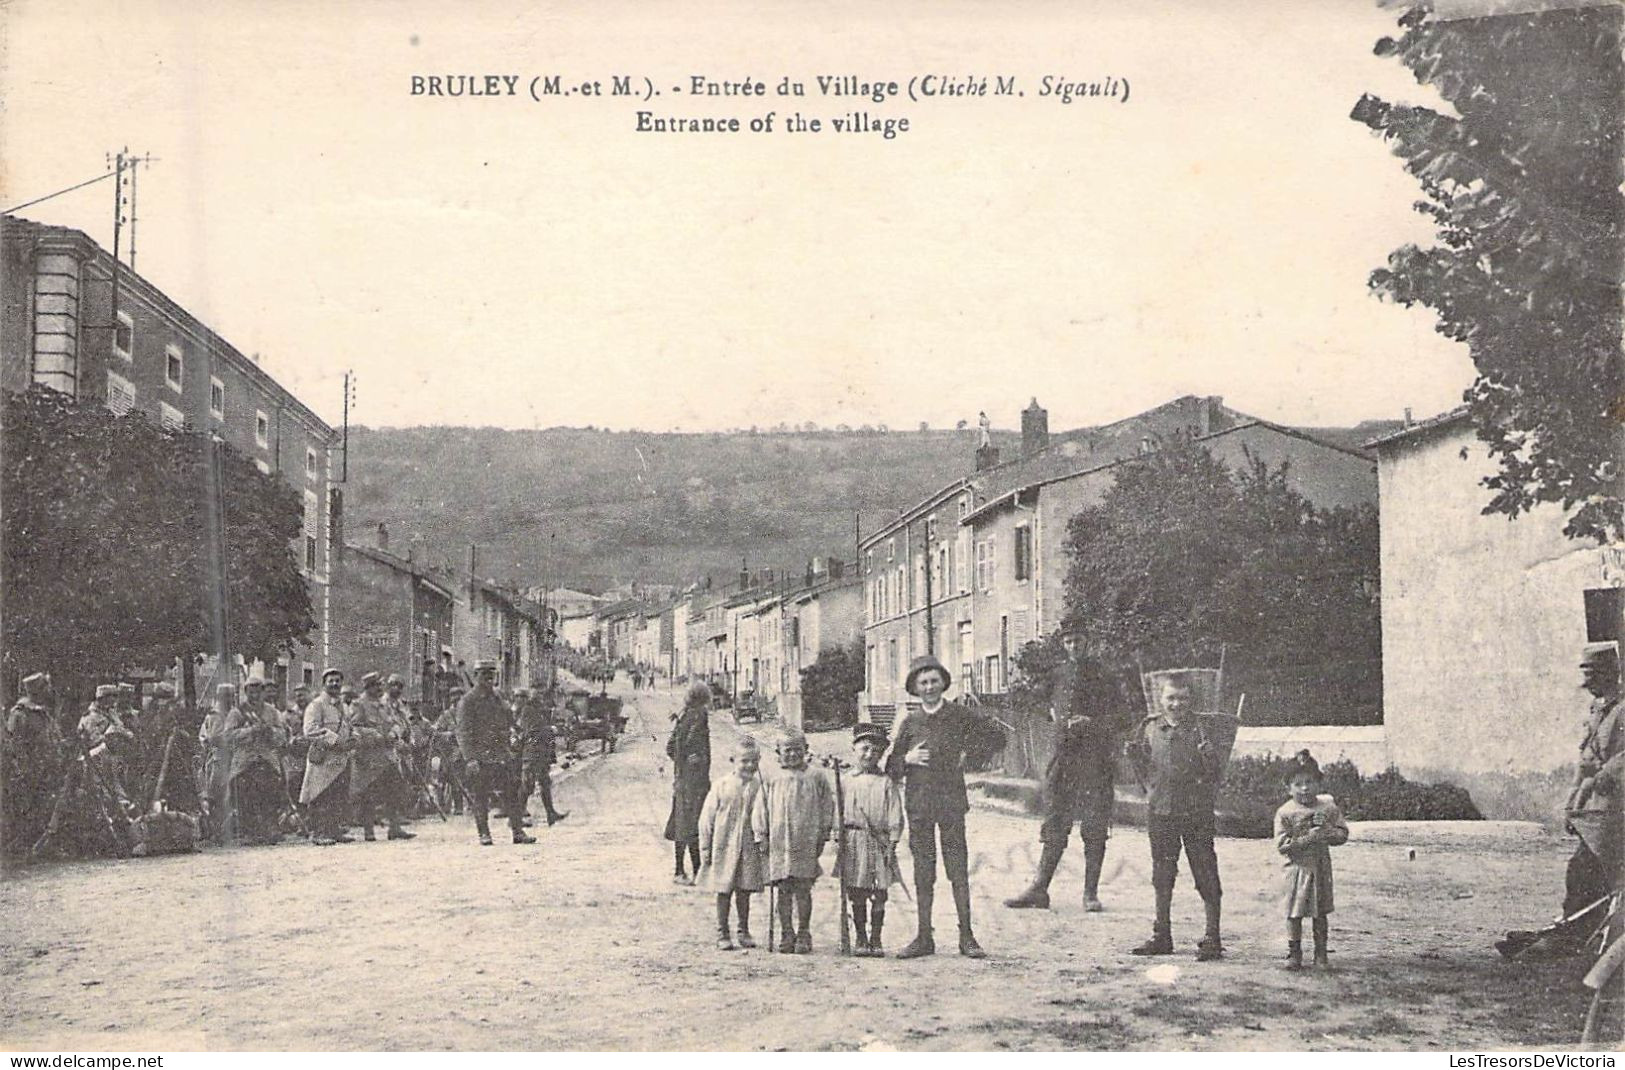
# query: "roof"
{"type": "Point", "coordinates": [1444, 419]}
{"type": "Point", "coordinates": [1013, 495]}
{"type": "Point", "coordinates": [129, 277]}
{"type": "Point", "coordinates": [400, 564]}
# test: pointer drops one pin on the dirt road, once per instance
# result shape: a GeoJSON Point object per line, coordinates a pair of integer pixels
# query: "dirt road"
{"type": "Point", "coordinates": [582, 941]}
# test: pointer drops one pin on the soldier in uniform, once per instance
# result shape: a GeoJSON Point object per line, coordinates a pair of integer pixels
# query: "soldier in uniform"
{"type": "Point", "coordinates": [326, 730]}
{"type": "Point", "coordinates": [106, 741]}
{"type": "Point", "coordinates": [253, 738]}
{"type": "Point", "coordinates": [297, 748]}
{"type": "Point", "coordinates": [407, 732]}
{"type": "Point", "coordinates": [1599, 779]}
{"type": "Point", "coordinates": [375, 779]}
{"type": "Point", "coordinates": [482, 736]}
{"type": "Point", "coordinates": [32, 757]}
{"type": "Point", "coordinates": [928, 756]}
{"type": "Point", "coordinates": [537, 750]}
{"type": "Point", "coordinates": [1086, 708]}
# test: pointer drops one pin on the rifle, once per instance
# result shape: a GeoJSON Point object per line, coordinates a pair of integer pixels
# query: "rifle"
{"type": "Point", "coordinates": [163, 772]}
{"type": "Point", "coordinates": [840, 858]}
{"type": "Point", "coordinates": [1518, 941]}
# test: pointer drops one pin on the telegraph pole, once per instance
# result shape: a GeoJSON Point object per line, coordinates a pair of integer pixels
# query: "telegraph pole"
{"type": "Point", "coordinates": [344, 475]}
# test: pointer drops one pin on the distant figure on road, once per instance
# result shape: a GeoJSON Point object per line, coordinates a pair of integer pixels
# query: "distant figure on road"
{"type": "Point", "coordinates": [689, 749]}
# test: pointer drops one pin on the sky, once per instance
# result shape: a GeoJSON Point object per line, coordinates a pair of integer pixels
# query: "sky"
{"type": "Point", "coordinates": [500, 261]}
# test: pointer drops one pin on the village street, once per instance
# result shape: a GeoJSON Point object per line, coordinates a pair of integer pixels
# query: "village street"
{"type": "Point", "coordinates": [583, 941]}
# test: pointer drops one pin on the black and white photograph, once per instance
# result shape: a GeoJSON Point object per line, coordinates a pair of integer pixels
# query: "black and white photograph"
{"type": "Point", "coordinates": [813, 527]}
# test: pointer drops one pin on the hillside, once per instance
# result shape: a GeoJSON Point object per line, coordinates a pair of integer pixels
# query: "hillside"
{"type": "Point", "coordinates": [589, 508]}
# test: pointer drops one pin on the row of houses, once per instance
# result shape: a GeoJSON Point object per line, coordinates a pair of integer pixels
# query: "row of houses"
{"type": "Point", "coordinates": [75, 320]}
{"type": "Point", "coordinates": [752, 637]}
{"type": "Point", "coordinates": [976, 570]}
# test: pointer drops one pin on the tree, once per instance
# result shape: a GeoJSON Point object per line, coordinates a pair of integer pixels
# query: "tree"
{"type": "Point", "coordinates": [1524, 188]}
{"type": "Point", "coordinates": [1185, 561]}
{"type": "Point", "coordinates": [830, 686]}
{"type": "Point", "coordinates": [104, 544]}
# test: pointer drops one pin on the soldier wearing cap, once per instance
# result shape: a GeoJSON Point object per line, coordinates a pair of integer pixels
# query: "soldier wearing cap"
{"type": "Point", "coordinates": [411, 739]}
{"type": "Point", "coordinates": [252, 744]}
{"type": "Point", "coordinates": [1599, 779]}
{"type": "Point", "coordinates": [105, 739]}
{"type": "Point", "coordinates": [32, 754]}
{"type": "Point", "coordinates": [928, 756]}
{"type": "Point", "coordinates": [537, 749]}
{"type": "Point", "coordinates": [445, 759]}
{"type": "Point", "coordinates": [482, 736]}
{"type": "Point", "coordinates": [326, 730]}
{"type": "Point", "coordinates": [297, 748]}
{"type": "Point", "coordinates": [375, 779]}
{"type": "Point", "coordinates": [1086, 708]}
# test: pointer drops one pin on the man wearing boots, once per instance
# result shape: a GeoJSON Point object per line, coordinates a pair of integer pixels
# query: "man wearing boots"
{"type": "Point", "coordinates": [482, 736]}
{"type": "Point", "coordinates": [1086, 709]}
{"type": "Point", "coordinates": [1182, 779]}
{"type": "Point", "coordinates": [376, 784]}
{"type": "Point", "coordinates": [537, 750]}
{"type": "Point", "coordinates": [928, 756]}
{"type": "Point", "coordinates": [324, 787]}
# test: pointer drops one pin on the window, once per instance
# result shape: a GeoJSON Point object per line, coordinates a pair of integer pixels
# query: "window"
{"type": "Point", "coordinates": [962, 564]}
{"type": "Point", "coordinates": [174, 368]}
{"type": "Point", "coordinates": [170, 417]}
{"type": "Point", "coordinates": [1024, 552]}
{"type": "Point", "coordinates": [308, 672]}
{"type": "Point", "coordinates": [919, 579]}
{"type": "Point", "coordinates": [262, 429]}
{"type": "Point", "coordinates": [124, 336]}
{"type": "Point", "coordinates": [312, 524]}
{"type": "Point", "coordinates": [891, 549]}
{"type": "Point", "coordinates": [1605, 614]}
{"type": "Point", "coordinates": [930, 528]}
{"type": "Point", "coordinates": [310, 463]}
{"type": "Point", "coordinates": [120, 394]}
{"type": "Point", "coordinates": [891, 660]}
{"type": "Point", "coordinates": [964, 506]}
{"type": "Point", "coordinates": [967, 644]}
{"type": "Point", "coordinates": [217, 398]}
{"type": "Point", "coordinates": [985, 561]}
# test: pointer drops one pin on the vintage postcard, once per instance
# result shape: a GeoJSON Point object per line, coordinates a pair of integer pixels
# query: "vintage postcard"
{"type": "Point", "coordinates": [813, 526]}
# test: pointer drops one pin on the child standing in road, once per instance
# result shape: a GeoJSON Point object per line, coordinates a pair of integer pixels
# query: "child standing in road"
{"type": "Point", "coordinates": [1307, 826]}
{"type": "Point", "coordinates": [730, 829]}
{"type": "Point", "coordinates": [800, 811]}
{"type": "Point", "coordinates": [872, 808]}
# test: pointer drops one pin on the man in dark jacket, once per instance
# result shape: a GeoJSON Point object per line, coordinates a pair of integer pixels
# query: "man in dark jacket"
{"type": "Point", "coordinates": [928, 755]}
{"type": "Point", "coordinates": [1087, 710]}
{"type": "Point", "coordinates": [689, 749]}
{"type": "Point", "coordinates": [483, 726]}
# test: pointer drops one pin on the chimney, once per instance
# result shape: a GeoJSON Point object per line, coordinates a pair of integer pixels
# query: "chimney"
{"type": "Point", "coordinates": [1407, 416]}
{"type": "Point", "coordinates": [383, 536]}
{"type": "Point", "coordinates": [1034, 429]}
{"type": "Point", "coordinates": [986, 457]}
{"type": "Point", "coordinates": [1210, 417]}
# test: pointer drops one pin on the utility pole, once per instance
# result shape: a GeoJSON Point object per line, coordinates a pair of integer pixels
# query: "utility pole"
{"type": "Point", "coordinates": [344, 474]}
{"type": "Point", "coordinates": [930, 630]}
{"type": "Point", "coordinates": [134, 215]}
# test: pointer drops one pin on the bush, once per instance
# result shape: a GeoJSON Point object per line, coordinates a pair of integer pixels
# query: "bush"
{"type": "Point", "coordinates": [830, 686]}
{"type": "Point", "coordinates": [1257, 786]}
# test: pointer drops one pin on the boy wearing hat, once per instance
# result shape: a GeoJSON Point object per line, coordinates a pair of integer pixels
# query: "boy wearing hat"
{"type": "Point", "coordinates": [800, 808]}
{"type": "Point", "coordinates": [326, 731]}
{"type": "Point", "coordinates": [375, 779]}
{"type": "Point", "coordinates": [928, 756]}
{"type": "Point", "coordinates": [872, 809]}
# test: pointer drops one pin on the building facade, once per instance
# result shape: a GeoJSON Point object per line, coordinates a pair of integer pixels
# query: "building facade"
{"type": "Point", "coordinates": [1483, 619]}
{"type": "Point", "coordinates": [393, 616]}
{"type": "Point", "coordinates": [62, 327]}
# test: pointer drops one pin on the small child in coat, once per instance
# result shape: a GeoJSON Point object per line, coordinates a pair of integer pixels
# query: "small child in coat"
{"type": "Point", "coordinates": [731, 825]}
{"type": "Point", "coordinates": [1307, 826]}
{"type": "Point", "coordinates": [800, 811]}
{"type": "Point", "coordinates": [872, 809]}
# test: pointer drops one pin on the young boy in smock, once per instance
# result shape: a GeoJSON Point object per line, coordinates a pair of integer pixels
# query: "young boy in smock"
{"type": "Point", "coordinates": [730, 826]}
{"type": "Point", "coordinates": [800, 810]}
{"type": "Point", "coordinates": [872, 808]}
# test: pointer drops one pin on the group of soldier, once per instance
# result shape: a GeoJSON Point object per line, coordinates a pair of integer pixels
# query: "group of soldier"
{"type": "Point", "coordinates": [252, 773]}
